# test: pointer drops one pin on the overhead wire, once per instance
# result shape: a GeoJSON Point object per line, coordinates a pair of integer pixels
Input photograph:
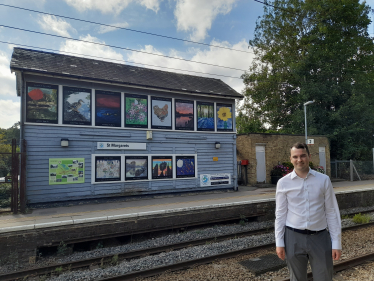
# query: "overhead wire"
{"type": "Point", "coordinates": [124, 28]}
{"type": "Point", "coordinates": [115, 60]}
{"type": "Point", "coordinates": [117, 47]}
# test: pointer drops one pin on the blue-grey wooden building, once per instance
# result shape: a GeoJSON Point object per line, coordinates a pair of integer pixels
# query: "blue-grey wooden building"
{"type": "Point", "coordinates": [99, 129]}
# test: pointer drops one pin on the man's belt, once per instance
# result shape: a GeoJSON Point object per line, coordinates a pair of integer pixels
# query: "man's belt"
{"type": "Point", "coordinates": [305, 231]}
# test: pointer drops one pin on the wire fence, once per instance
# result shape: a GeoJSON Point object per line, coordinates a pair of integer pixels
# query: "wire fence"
{"type": "Point", "coordinates": [352, 170]}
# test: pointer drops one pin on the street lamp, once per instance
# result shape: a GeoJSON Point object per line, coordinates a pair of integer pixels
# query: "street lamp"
{"type": "Point", "coordinates": [306, 131]}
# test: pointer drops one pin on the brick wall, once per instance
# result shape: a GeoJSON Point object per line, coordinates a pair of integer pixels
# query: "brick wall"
{"type": "Point", "coordinates": [277, 150]}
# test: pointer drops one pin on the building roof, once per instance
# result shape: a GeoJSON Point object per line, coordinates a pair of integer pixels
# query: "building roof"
{"type": "Point", "coordinates": [97, 70]}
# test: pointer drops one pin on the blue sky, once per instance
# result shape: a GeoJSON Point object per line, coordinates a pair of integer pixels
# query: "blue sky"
{"type": "Point", "coordinates": [228, 23]}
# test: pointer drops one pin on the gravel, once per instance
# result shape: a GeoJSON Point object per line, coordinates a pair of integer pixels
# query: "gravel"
{"type": "Point", "coordinates": [188, 253]}
{"type": "Point", "coordinates": [170, 257]}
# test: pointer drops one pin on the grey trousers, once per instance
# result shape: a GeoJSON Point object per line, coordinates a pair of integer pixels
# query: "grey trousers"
{"type": "Point", "coordinates": [316, 248]}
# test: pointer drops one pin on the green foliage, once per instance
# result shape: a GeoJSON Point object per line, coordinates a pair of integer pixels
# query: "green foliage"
{"type": "Point", "coordinates": [5, 194]}
{"type": "Point", "coordinates": [321, 51]}
{"type": "Point", "coordinates": [62, 249]}
{"type": "Point", "coordinates": [114, 260]}
{"type": "Point", "coordinates": [243, 220]}
{"type": "Point", "coordinates": [58, 270]}
{"type": "Point", "coordinates": [289, 165]}
{"type": "Point", "coordinates": [360, 219]}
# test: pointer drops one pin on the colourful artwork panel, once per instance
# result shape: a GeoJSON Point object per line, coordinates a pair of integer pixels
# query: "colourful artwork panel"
{"type": "Point", "coordinates": [107, 168]}
{"type": "Point", "coordinates": [42, 103]}
{"type": "Point", "coordinates": [224, 117]}
{"type": "Point", "coordinates": [136, 114]}
{"type": "Point", "coordinates": [185, 166]}
{"type": "Point", "coordinates": [108, 109]}
{"type": "Point", "coordinates": [205, 116]}
{"type": "Point", "coordinates": [161, 113]}
{"type": "Point", "coordinates": [184, 115]}
{"type": "Point", "coordinates": [77, 106]}
{"type": "Point", "coordinates": [66, 170]}
{"type": "Point", "coordinates": [162, 167]}
{"type": "Point", "coordinates": [136, 167]}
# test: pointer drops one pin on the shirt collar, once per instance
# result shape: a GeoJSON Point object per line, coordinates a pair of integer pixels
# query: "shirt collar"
{"type": "Point", "coordinates": [311, 172]}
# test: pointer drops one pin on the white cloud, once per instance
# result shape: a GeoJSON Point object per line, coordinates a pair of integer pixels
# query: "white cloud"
{"type": "Point", "coordinates": [197, 16]}
{"type": "Point", "coordinates": [111, 6]}
{"type": "Point", "coordinates": [212, 55]}
{"type": "Point", "coordinates": [84, 48]}
{"type": "Point", "coordinates": [9, 113]}
{"type": "Point", "coordinates": [150, 4]}
{"type": "Point", "coordinates": [58, 26]}
{"type": "Point", "coordinates": [8, 79]}
{"type": "Point", "coordinates": [105, 29]}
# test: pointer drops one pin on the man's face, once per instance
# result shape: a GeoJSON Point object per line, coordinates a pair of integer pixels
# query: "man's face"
{"type": "Point", "coordinates": [300, 159]}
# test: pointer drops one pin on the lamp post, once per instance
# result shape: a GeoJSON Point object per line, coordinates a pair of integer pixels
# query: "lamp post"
{"type": "Point", "coordinates": [306, 131]}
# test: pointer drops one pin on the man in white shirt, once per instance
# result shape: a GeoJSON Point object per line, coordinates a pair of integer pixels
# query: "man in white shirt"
{"type": "Point", "coordinates": [305, 206]}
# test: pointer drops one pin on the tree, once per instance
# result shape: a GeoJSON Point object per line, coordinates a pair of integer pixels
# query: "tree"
{"type": "Point", "coordinates": [315, 50]}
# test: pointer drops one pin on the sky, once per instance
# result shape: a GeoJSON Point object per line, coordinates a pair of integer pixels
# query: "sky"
{"type": "Point", "coordinates": [224, 23]}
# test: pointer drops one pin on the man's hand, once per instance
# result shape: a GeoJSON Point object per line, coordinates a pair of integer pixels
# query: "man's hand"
{"type": "Point", "coordinates": [282, 253]}
{"type": "Point", "coordinates": [335, 254]}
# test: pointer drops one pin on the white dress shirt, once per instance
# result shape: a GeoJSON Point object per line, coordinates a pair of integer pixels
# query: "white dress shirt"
{"type": "Point", "coordinates": [308, 203]}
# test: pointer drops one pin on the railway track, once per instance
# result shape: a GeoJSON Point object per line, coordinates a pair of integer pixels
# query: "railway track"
{"type": "Point", "coordinates": [86, 263]}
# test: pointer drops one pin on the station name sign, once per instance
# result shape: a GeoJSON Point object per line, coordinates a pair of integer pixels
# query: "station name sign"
{"type": "Point", "coordinates": [122, 145]}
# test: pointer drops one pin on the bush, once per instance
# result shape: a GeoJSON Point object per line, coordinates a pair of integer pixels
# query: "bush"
{"type": "Point", "coordinates": [280, 170]}
{"type": "Point", "coordinates": [360, 219]}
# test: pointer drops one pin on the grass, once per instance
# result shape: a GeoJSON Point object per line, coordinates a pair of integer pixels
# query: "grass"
{"type": "Point", "coordinates": [360, 219]}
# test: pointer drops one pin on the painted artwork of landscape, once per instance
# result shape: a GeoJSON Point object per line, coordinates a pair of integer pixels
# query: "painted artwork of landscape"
{"type": "Point", "coordinates": [162, 167]}
{"type": "Point", "coordinates": [136, 111]}
{"type": "Point", "coordinates": [184, 115]}
{"type": "Point", "coordinates": [185, 166]}
{"type": "Point", "coordinates": [108, 109]}
{"type": "Point", "coordinates": [41, 103]}
{"type": "Point", "coordinates": [136, 168]}
{"type": "Point", "coordinates": [205, 116]}
{"type": "Point", "coordinates": [224, 117]}
{"type": "Point", "coordinates": [77, 106]}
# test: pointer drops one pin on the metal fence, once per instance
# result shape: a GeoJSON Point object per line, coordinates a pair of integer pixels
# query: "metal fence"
{"type": "Point", "coordinates": [352, 170]}
{"type": "Point", "coordinates": [13, 184]}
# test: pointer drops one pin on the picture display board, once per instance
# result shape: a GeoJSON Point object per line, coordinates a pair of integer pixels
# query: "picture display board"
{"type": "Point", "coordinates": [42, 103]}
{"type": "Point", "coordinates": [224, 117]}
{"type": "Point", "coordinates": [136, 114]}
{"type": "Point", "coordinates": [107, 168]}
{"type": "Point", "coordinates": [107, 109]}
{"type": "Point", "coordinates": [66, 170]}
{"type": "Point", "coordinates": [205, 116]}
{"type": "Point", "coordinates": [136, 167]}
{"type": "Point", "coordinates": [185, 166]}
{"type": "Point", "coordinates": [76, 106]}
{"type": "Point", "coordinates": [162, 167]}
{"type": "Point", "coordinates": [184, 115]}
{"type": "Point", "coordinates": [161, 113]}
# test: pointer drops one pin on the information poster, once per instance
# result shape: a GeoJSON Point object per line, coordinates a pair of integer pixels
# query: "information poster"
{"type": "Point", "coordinates": [66, 170]}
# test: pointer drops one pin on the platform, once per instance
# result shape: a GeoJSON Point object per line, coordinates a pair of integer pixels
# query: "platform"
{"type": "Point", "coordinates": [79, 214]}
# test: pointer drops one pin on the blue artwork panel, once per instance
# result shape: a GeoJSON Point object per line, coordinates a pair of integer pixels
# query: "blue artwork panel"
{"type": "Point", "coordinates": [205, 116]}
{"type": "Point", "coordinates": [185, 166]}
{"type": "Point", "coordinates": [108, 109]}
{"type": "Point", "coordinates": [224, 117]}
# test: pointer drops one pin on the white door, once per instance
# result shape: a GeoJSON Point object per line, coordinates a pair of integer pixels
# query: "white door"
{"type": "Point", "coordinates": [322, 157]}
{"type": "Point", "coordinates": [261, 167]}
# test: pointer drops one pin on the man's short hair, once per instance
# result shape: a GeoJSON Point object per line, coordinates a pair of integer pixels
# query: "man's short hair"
{"type": "Point", "coordinates": [300, 145]}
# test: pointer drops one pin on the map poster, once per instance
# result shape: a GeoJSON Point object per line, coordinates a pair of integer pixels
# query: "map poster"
{"type": "Point", "coordinates": [66, 170]}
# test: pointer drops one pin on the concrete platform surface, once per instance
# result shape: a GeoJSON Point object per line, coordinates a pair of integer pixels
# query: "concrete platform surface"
{"type": "Point", "coordinates": [49, 217]}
